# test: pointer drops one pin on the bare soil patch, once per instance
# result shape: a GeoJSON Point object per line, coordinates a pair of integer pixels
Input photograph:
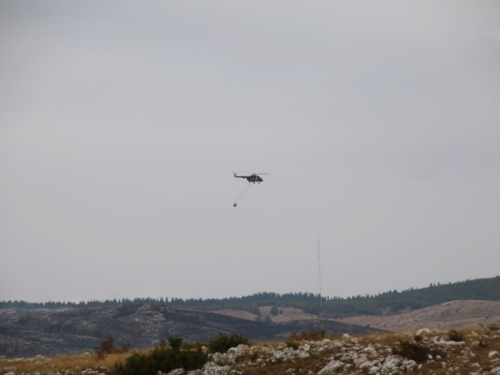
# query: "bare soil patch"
{"type": "Point", "coordinates": [455, 314]}
{"type": "Point", "coordinates": [236, 314]}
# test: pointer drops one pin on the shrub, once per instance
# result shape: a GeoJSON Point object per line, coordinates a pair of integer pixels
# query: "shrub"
{"type": "Point", "coordinates": [454, 335]}
{"type": "Point", "coordinates": [492, 327]}
{"type": "Point", "coordinates": [107, 346]}
{"type": "Point", "coordinates": [222, 342]}
{"type": "Point", "coordinates": [255, 310]}
{"type": "Point", "coordinates": [410, 350]}
{"type": "Point", "coordinates": [267, 319]}
{"type": "Point", "coordinates": [415, 351]}
{"type": "Point", "coordinates": [193, 345]}
{"type": "Point", "coordinates": [292, 344]}
{"type": "Point", "coordinates": [162, 358]}
{"type": "Point", "coordinates": [25, 319]}
{"type": "Point", "coordinates": [175, 343]}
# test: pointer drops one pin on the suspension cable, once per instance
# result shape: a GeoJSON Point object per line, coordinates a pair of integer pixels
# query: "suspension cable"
{"type": "Point", "coordinates": [239, 196]}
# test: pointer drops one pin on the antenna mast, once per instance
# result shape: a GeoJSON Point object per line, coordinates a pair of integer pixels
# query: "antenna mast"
{"type": "Point", "coordinates": [320, 292]}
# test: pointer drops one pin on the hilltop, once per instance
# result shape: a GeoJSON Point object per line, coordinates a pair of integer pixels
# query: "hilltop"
{"type": "Point", "coordinates": [448, 315]}
{"type": "Point", "coordinates": [61, 328]}
{"type": "Point", "coordinates": [54, 332]}
{"type": "Point", "coordinates": [387, 303]}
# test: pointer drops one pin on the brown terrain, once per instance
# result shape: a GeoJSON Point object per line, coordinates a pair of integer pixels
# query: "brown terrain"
{"type": "Point", "coordinates": [64, 331]}
{"type": "Point", "coordinates": [449, 315]}
{"type": "Point", "coordinates": [286, 314]}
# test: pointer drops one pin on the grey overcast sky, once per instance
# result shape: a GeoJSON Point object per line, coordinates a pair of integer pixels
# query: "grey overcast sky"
{"type": "Point", "coordinates": [121, 123]}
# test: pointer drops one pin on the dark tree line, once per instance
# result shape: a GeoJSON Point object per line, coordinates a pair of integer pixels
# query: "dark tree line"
{"type": "Point", "coordinates": [389, 302]}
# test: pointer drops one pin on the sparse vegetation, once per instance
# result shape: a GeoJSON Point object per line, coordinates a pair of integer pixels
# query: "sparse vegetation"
{"type": "Point", "coordinates": [412, 350]}
{"type": "Point", "coordinates": [192, 345]}
{"type": "Point", "coordinates": [107, 347]}
{"type": "Point", "coordinates": [61, 364]}
{"type": "Point", "coordinates": [390, 302]}
{"type": "Point", "coordinates": [222, 342]}
{"type": "Point", "coordinates": [311, 335]}
{"type": "Point", "coordinates": [25, 320]}
{"type": "Point", "coordinates": [162, 358]}
{"type": "Point", "coordinates": [292, 344]}
{"type": "Point", "coordinates": [432, 350]}
{"type": "Point", "coordinates": [454, 335]}
{"type": "Point", "coordinates": [493, 327]}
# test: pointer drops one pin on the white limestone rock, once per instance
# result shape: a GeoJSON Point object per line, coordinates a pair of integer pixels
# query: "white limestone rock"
{"type": "Point", "coordinates": [391, 363]}
{"type": "Point", "coordinates": [332, 367]}
{"type": "Point", "coordinates": [242, 348]}
{"type": "Point", "coordinates": [423, 331]}
{"type": "Point", "coordinates": [238, 350]}
{"type": "Point", "coordinates": [226, 359]}
{"type": "Point", "coordinates": [278, 354]}
{"type": "Point", "coordinates": [305, 347]}
{"type": "Point", "coordinates": [211, 368]}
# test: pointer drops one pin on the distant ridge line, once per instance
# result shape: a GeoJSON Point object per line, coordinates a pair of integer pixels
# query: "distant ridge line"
{"type": "Point", "coordinates": [390, 302]}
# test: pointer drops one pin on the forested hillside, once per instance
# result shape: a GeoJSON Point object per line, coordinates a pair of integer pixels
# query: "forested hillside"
{"type": "Point", "coordinates": [390, 302]}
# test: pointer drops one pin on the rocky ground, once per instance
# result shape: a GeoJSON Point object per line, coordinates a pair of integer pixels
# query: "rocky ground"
{"type": "Point", "coordinates": [472, 351]}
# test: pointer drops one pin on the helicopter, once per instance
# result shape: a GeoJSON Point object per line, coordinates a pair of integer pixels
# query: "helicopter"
{"type": "Point", "coordinates": [252, 178]}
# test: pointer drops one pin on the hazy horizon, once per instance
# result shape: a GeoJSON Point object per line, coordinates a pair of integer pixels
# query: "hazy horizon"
{"type": "Point", "coordinates": [221, 298]}
{"type": "Point", "coordinates": [122, 123]}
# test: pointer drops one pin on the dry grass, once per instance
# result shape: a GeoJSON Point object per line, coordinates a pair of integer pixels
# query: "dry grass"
{"type": "Point", "coordinates": [312, 335]}
{"type": "Point", "coordinates": [71, 363]}
{"type": "Point", "coordinates": [469, 357]}
{"type": "Point", "coordinates": [473, 355]}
